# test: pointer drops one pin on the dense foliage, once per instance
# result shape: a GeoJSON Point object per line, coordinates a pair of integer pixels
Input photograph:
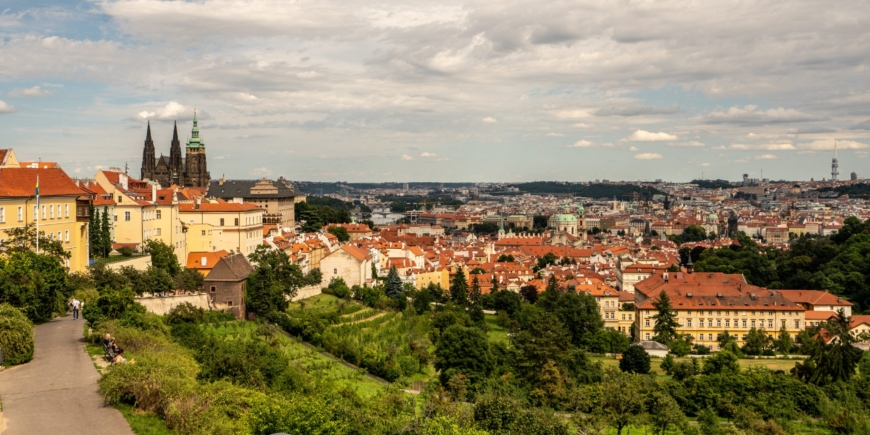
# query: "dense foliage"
{"type": "Point", "coordinates": [36, 284]}
{"type": "Point", "coordinates": [839, 263]}
{"type": "Point", "coordinates": [16, 336]}
{"type": "Point", "coordinates": [314, 216]}
{"type": "Point", "coordinates": [590, 190]}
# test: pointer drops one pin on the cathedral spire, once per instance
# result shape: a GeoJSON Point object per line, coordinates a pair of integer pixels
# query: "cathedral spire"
{"type": "Point", "coordinates": [148, 160]}
{"type": "Point", "coordinates": [175, 132]}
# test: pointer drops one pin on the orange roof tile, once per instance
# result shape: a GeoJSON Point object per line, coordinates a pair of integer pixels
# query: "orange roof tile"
{"type": "Point", "coordinates": [21, 183]}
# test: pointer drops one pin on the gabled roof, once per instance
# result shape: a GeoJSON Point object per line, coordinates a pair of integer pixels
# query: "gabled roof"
{"type": "Point", "coordinates": [815, 297]}
{"type": "Point", "coordinates": [232, 268]}
{"type": "Point", "coordinates": [242, 189]}
{"type": "Point", "coordinates": [194, 259]}
{"type": "Point", "coordinates": [21, 183]}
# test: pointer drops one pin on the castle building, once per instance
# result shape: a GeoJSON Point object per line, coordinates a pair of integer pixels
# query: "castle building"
{"type": "Point", "coordinates": [190, 171]}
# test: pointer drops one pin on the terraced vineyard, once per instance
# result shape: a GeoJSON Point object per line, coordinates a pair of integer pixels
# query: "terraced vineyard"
{"type": "Point", "coordinates": [387, 344]}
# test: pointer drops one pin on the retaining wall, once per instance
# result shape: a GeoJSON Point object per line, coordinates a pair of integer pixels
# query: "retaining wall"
{"type": "Point", "coordinates": [161, 306]}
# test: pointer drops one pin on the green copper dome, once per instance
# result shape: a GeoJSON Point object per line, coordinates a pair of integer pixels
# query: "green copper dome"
{"type": "Point", "coordinates": [195, 141]}
{"type": "Point", "coordinates": [566, 218]}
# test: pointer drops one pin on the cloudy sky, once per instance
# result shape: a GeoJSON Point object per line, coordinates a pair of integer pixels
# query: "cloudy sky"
{"type": "Point", "coordinates": [444, 91]}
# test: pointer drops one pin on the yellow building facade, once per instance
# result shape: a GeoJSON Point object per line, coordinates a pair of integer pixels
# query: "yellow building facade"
{"type": "Point", "coordinates": [215, 226]}
{"type": "Point", "coordinates": [63, 211]}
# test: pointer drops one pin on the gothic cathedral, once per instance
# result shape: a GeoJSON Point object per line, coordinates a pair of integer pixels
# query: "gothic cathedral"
{"type": "Point", "coordinates": [190, 171]}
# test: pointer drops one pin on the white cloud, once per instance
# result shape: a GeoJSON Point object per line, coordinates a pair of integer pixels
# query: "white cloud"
{"type": "Point", "coordinates": [583, 125]}
{"type": "Point", "coordinates": [764, 147]}
{"type": "Point", "coordinates": [406, 157]}
{"type": "Point", "coordinates": [646, 136]}
{"type": "Point", "coordinates": [705, 164]}
{"type": "Point", "coordinates": [261, 172]}
{"type": "Point", "coordinates": [749, 115]}
{"type": "Point", "coordinates": [489, 120]}
{"type": "Point", "coordinates": [6, 107]}
{"type": "Point", "coordinates": [648, 156]}
{"type": "Point", "coordinates": [172, 111]}
{"type": "Point", "coordinates": [428, 154]}
{"type": "Point", "coordinates": [828, 144]}
{"type": "Point", "coordinates": [555, 135]}
{"type": "Point", "coordinates": [35, 91]}
{"type": "Point", "coordinates": [583, 143]}
{"type": "Point", "coordinates": [766, 157]}
{"type": "Point", "coordinates": [691, 143]}
{"type": "Point", "coordinates": [308, 74]}
{"type": "Point", "coordinates": [634, 149]}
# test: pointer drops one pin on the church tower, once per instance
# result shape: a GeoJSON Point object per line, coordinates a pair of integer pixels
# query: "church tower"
{"type": "Point", "coordinates": [148, 158]}
{"type": "Point", "coordinates": [176, 166]}
{"type": "Point", "coordinates": [196, 172]}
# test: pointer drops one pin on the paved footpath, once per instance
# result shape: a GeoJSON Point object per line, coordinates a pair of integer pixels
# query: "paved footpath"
{"type": "Point", "coordinates": [56, 392]}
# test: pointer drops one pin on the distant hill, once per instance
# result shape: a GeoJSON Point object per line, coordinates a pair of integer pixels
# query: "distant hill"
{"type": "Point", "coordinates": [860, 190]}
{"type": "Point", "coordinates": [592, 190]}
{"type": "Point", "coordinates": [324, 188]}
{"type": "Point", "coordinates": [713, 184]}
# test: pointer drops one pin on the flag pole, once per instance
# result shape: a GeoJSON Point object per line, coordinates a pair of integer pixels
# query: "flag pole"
{"type": "Point", "coordinates": [37, 213]}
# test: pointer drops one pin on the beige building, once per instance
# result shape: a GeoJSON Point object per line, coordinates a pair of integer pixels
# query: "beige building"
{"type": "Point", "coordinates": [62, 212]}
{"type": "Point", "coordinates": [218, 225]}
{"type": "Point", "coordinates": [350, 263]}
{"type": "Point", "coordinates": [708, 304]}
{"type": "Point", "coordinates": [276, 198]}
{"type": "Point", "coordinates": [142, 212]}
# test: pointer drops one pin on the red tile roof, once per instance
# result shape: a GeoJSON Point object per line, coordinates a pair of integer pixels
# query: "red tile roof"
{"type": "Point", "coordinates": [21, 183]}
{"type": "Point", "coordinates": [217, 207]}
{"type": "Point", "coordinates": [194, 259]}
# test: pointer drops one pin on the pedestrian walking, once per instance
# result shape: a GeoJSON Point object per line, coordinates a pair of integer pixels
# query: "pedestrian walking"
{"type": "Point", "coordinates": [75, 306]}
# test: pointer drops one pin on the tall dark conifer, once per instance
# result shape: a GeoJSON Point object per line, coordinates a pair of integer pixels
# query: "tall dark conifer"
{"type": "Point", "coordinates": [459, 288]}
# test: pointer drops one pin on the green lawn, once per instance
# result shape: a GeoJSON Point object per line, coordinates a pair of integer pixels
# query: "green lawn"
{"type": "Point", "coordinates": [496, 333]}
{"type": "Point", "coordinates": [144, 423]}
{"type": "Point", "coordinates": [315, 302]}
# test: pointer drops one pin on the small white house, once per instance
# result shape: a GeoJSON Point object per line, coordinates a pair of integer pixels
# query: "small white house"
{"type": "Point", "coordinates": [653, 348]}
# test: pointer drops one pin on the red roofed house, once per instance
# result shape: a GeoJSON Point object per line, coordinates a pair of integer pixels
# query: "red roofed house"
{"type": "Point", "coordinates": [214, 225]}
{"type": "Point", "coordinates": [204, 262]}
{"type": "Point", "coordinates": [63, 207]}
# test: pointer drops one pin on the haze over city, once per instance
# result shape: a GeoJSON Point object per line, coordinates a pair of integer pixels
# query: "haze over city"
{"type": "Point", "coordinates": [454, 90]}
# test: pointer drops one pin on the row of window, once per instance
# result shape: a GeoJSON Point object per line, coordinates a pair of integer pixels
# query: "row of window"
{"type": "Point", "coordinates": [248, 221]}
{"type": "Point", "coordinates": [737, 323]}
{"type": "Point", "coordinates": [47, 212]}
{"type": "Point", "coordinates": [736, 313]}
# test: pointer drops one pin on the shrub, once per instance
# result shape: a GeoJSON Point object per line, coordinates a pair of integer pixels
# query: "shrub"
{"type": "Point", "coordinates": [126, 251]}
{"type": "Point", "coordinates": [153, 382]}
{"type": "Point", "coordinates": [302, 416]}
{"type": "Point", "coordinates": [185, 313]}
{"type": "Point", "coordinates": [338, 288]}
{"type": "Point", "coordinates": [635, 360]}
{"type": "Point", "coordinates": [16, 335]}
{"type": "Point", "coordinates": [112, 304]}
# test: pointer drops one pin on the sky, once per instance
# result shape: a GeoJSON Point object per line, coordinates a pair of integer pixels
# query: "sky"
{"type": "Point", "coordinates": [519, 90]}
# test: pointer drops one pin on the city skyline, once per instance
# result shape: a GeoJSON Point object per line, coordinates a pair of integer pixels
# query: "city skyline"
{"type": "Point", "coordinates": [465, 91]}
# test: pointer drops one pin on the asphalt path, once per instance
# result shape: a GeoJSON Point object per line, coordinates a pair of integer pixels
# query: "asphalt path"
{"type": "Point", "coordinates": [56, 392]}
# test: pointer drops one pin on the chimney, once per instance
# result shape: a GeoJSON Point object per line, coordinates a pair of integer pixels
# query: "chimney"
{"type": "Point", "coordinates": [154, 192]}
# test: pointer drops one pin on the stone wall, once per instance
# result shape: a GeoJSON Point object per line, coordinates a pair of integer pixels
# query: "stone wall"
{"type": "Point", "coordinates": [307, 292]}
{"type": "Point", "coordinates": [162, 305]}
{"type": "Point", "coordinates": [138, 263]}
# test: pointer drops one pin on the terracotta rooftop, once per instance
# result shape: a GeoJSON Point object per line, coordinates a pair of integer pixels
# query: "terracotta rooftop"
{"type": "Point", "coordinates": [21, 183]}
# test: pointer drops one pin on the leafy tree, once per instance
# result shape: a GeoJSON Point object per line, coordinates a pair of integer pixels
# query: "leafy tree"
{"type": "Point", "coordinates": [423, 299]}
{"type": "Point", "coordinates": [548, 259]}
{"type": "Point", "coordinates": [505, 258]}
{"type": "Point", "coordinates": [507, 301]}
{"type": "Point", "coordinates": [545, 338]}
{"type": "Point", "coordinates": [476, 308]}
{"type": "Point", "coordinates": [463, 351]}
{"type": "Point", "coordinates": [784, 343]}
{"type": "Point", "coordinates": [663, 411]}
{"type": "Point", "coordinates": [339, 232]}
{"type": "Point", "coordinates": [623, 405]}
{"type": "Point", "coordinates": [666, 325]}
{"type": "Point", "coordinates": [756, 342]}
{"type": "Point", "coordinates": [189, 280]}
{"type": "Point", "coordinates": [36, 284]}
{"type": "Point", "coordinates": [606, 340]}
{"type": "Point", "coordinates": [580, 314]}
{"type": "Point", "coordinates": [721, 362]}
{"type": "Point", "coordinates": [22, 239]}
{"type": "Point", "coordinates": [155, 280]}
{"type": "Point", "coordinates": [112, 304]}
{"type": "Point", "coordinates": [459, 288]}
{"type": "Point", "coordinates": [835, 360]}
{"type": "Point", "coordinates": [635, 360]}
{"type": "Point", "coordinates": [273, 281]}
{"type": "Point", "coordinates": [163, 257]}
{"type": "Point", "coordinates": [529, 293]}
